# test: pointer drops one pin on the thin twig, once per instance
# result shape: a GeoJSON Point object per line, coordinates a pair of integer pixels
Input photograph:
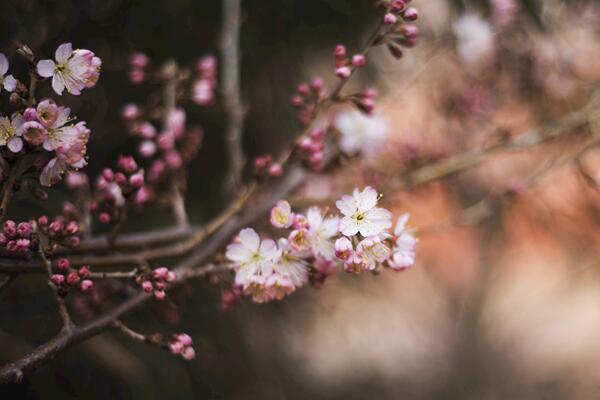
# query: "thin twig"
{"type": "Point", "coordinates": [232, 101]}
{"type": "Point", "coordinates": [129, 332]}
{"type": "Point", "coordinates": [60, 301]}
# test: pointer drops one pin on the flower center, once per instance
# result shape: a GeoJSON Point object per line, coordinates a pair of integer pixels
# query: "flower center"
{"type": "Point", "coordinates": [359, 216]}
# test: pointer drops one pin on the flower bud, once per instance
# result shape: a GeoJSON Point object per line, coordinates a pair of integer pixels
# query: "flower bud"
{"type": "Point", "coordinates": [86, 285]}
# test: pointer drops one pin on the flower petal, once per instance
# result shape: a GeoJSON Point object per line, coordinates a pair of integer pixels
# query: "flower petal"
{"type": "Point", "coordinates": [348, 226]}
{"type": "Point", "coordinates": [58, 84]}
{"type": "Point", "coordinates": [10, 83]}
{"type": "Point", "coordinates": [15, 144]}
{"type": "Point", "coordinates": [3, 64]}
{"type": "Point", "coordinates": [238, 253]}
{"type": "Point", "coordinates": [63, 52]}
{"type": "Point", "coordinates": [45, 68]}
{"type": "Point", "coordinates": [250, 239]}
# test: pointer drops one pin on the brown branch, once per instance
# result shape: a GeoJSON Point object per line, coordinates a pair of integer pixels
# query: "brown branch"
{"type": "Point", "coordinates": [60, 301]}
{"type": "Point", "coordinates": [232, 97]}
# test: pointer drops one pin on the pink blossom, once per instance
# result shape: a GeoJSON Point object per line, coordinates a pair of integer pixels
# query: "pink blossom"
{"type": "Point", "coordinates": [73, 70]}
{"type": "Point", "coordinates": [11, 131]}
{"type": "Point", "coordinates": [34, 133]}
{"type": "Point", "coordinates": [281, 215]}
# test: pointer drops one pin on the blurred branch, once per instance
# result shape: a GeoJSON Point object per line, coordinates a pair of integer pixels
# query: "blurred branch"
{"type": "Point", "coordinates": [230, 59]}
{"type": "Point", "coordinates": [170, 71]}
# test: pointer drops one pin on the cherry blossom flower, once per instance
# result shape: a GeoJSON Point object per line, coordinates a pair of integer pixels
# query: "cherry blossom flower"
{"type": "Point", "coordinates": [253, 259]}
{"type": "Point", "coordinates": [403, 252]}
{"type": "Point", "coordinates": [372, 251]}
{"type": "Point", "coordinates": [59, 133]}
{"type": "Point", "coordinates": [281, 215]}
{"type": "Point", "coordinates": [360, 133]}
{"type": "Point", "coordinates": [7, 81]}
{"type": "Point", "coordinates": [475, 38]}
{"type": "Point", "coordinates": [361, 214]}
{"type": "Point", "coordinates": [11, 131]}
{"type": "Point", "coordinates": [321, 231]}
{"type": "Point", "coordinates": [73, 70]}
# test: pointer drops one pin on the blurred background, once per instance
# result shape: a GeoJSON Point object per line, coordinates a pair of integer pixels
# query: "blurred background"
{"type": "Point", "coordinates": [504, 301]}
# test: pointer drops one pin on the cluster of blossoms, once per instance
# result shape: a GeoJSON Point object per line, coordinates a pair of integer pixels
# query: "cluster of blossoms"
{"type": "Point", "coordinates": [66, 277]}
{"type": "Point", "coordinates": [115, 188]}
{"type": "Point", "coordinates": [344, 64]}
{"type": "Point", "coordinates": [154, 281]}
{"type": "Point", "coordinates": [168, 151]}
{"type": "Point", "coordinates": [203, 89]}
{"type": "Point", "coordinates": [73, 70]}
{"type": "Point", "coordinates": [17, 237]}
{"type": "Point", "coordinates": [63, 230]}
{"type": "Point", "coordinates": [48, 129]}
{"type": "Point", "coordinates": [138, 63]}
{"type": "Point", "coordinates": [181, 344]}
{"type": "Point", "coordinates": [318, 245]}
{"type": "Point", "coordinates": [307, 98]}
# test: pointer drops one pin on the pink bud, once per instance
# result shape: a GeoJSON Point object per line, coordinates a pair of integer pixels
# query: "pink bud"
{"type": "Point", "coordinates": [390, 19]}
{"type": "Point", "coordinates": [176, 347]}
{"type": "Point", "coordinates": [146, 130]}
{"type": "Point", "coordinates": [104, 218]}
{"type": "Point", "coordinates": [410, 31]}
{"type": "Point", "coordinates": [137, 180]}
{"type": "Point", "coordinates": [120, 178]}
{"type": "Point", "coordinates": [159, 294]}
{"type": "Point", "coordinates": [147, 286]}
{"type": "Point", "coordinates": [86, 285]}
{"type": "Point", "coordinates": [317, 84]}
{"type": "Point", "coordinates": [276, 169]}
{"type": "Point", "coordinates": [147, 148]}
{"type": "Point", "coordinates": [24, 229]}
{"type": "Point", "coordinates": [189, 354]}
{"type": "Point", "coordinates": [130, 112]}
{"type": "Point", "coordinates": [343, 248]}
{"type": "Point", "coordinates": [73, 278]}
{"type": "Point", "coordinates": [56, 227]}
{"type": "Point", "coordinates": [358, 60]}
{"type": "Point", "coordinates": [72, 228]}
{"type": "Point", "coordinates": [185, 339]}
{"type": "Point", "coordinates": [127, 164]}
{"type": "Point", "coordinates": [339, 52]}
{"type": "Point", "coordinates": [73, 241]}
{"type": "Point", "coordinates": [303, 89]}
{"type": "Point", "coordinates": [142, 196]}
{"type": "Point", "coordinates": [171, 276]}
{"type": "Point", "coordinates": [297, 101]}
{"type": "Point", "coordinates": [108, 174]}
{"type": "Point", "coordinates": [160, 273]}
{"type": "Point", "coordinates": [136, 76]}
{"type": "Point", "coordinates": [43, 220]}
{"type": "Point", "coordinates": [23, 244]}
{"type": "Point", "coordinates": [139, 60]}
{"type": "Point", "coordinates": [57, 279]}
{"type": "Point", "coordinates": [317, 134]}
{"type": "Point", "coordinates": [10, 228]}
{"type": "Point", "coordinates": [410, 14]}
{"type": "Point", "coordinates": [343, 72]}
{"type": "Point", "coordinates": [84, 272]}
{"type": "Point", "coordinates": [30, 114]}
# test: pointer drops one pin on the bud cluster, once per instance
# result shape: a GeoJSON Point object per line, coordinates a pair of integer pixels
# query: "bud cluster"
{"type": "Point", "coordinates": [155, 281]}
{"type": "Point", "coordinates": [63, 229]}
{"type": "Point", "coordinates": [115, 188]}
{"type": "Point", "coordinates": [138, 63]}
{"type": "Point", "coordinates": [311, 148]}
{"type": "Point", "coordinates": [307, 98]}
{"type": "Point", "coordinates": [399, 34]}
{"type": "Point", "coordinates": [203, 89]}
{"type": "Point", "coordinates": [345, 64]}
{"type": "Point", "coordinates": [65, 278]}
{"type": "Point", "coordinates": [265, 166]}
{"type": "Point", "coordinates": [181, 344]}
{"type": "Point", "coordinates": [17, 237]}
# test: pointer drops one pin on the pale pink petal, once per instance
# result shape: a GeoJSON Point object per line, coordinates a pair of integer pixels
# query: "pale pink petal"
{"type": "Point", "coordinates": [314, 217]}
{"type": "Point", "coordinates": [62, 117]}
{"type": "Point", "coordinates": [45, 68]}
{"type": "Point", "coordinates": [15, 144]}
{"type": "Point", "coordinates": [58, 84]}
{"type": "Point", "coordinates": [3, 64]}
{"type": "Point", "coordinates": [238, 252]}
{"type": "Point", "coordinates": [63, 52]}
{"type": "Point", "coordinates": [348, 226]}
{"type": "Point", "coordinates": [401, 224]}
{"type": "Point", "coordinates": [346, 205]}
{"type": "Point", "coordinates": [10, 83]}
{"type": "Point", "coordinates": [269, 250]}
{"type": "Point", "coordinates": [250, 239]}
